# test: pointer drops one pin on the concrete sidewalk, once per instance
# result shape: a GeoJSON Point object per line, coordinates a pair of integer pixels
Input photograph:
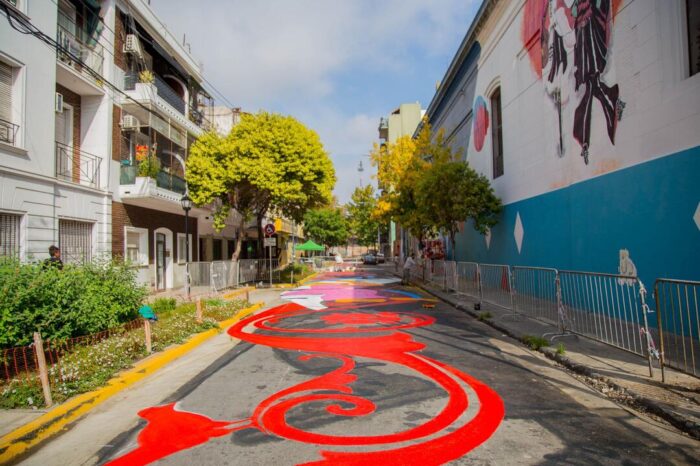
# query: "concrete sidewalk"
{"type": "Point", "coordinates": [618, 374]}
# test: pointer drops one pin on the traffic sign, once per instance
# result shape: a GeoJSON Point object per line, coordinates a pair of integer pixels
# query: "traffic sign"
{"type": "Point", "coordinates": [269, 229]}
{"type": "Point", "coordinates": [270, 242]}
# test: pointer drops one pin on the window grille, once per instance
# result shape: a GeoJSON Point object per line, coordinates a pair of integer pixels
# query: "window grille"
{"type": "Point", "coordinates": [75, 241]}
{"type": "Point", "coordinates": [9, 234]}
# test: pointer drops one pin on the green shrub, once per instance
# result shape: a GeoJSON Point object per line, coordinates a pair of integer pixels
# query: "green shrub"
{"type": "Point", "coordinates": [149, 167]}
{"type": "Point", "coordinates": [534, 342]}
{"type": "Point", "coordinates": [301, 271]}
{"type": "Point", "coordinates": [78, 300]}
{"type": "Point", "coordinates": [163, 305]}
{"type": "Point", "coordinates": [561, 349]}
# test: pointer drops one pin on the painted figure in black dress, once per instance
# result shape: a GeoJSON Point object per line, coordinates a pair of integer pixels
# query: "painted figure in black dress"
{"type": "Point", "coordinates": [592, 24]}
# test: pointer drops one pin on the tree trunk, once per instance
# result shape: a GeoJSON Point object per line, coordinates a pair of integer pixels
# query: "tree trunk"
{"type": "Point", "coordinates": [453, 234]}
{"type": "Point", "coordinates": [239, 240]}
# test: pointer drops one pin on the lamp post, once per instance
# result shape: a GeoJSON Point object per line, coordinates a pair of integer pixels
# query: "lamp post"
{"type": "Point", "coordinates": [186, 203]}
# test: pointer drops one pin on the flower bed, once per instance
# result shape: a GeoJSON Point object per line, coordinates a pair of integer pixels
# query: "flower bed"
{"type": "Point", "coordinates": [88, 367]}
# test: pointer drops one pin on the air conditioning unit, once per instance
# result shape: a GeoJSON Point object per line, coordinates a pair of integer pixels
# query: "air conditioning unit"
{"type": "Point", "coordinates": [130, 122]}
{"type": "Point", "coordinates": [58, 103]}
{"type": "Point", "coordinates": [132, 45]}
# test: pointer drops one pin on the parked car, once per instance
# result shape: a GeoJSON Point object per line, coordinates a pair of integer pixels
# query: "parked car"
{"type": "Point", "coordinates": [369, 259]}
{"type": "Point", "coordinates": [380, 258]}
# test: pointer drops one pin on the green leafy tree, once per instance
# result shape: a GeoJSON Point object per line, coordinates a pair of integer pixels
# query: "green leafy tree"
{"type": "Point", "coordinates": [268, 162]}
{"type": "Point", "coordinates": [327, 226]}
{"type": "Point", "coordinates": [364, 223]}
{"type": "Point", "coordinates": [449, 193]}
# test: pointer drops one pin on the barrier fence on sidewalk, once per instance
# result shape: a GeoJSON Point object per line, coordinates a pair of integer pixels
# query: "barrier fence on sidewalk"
{"type": "Point", "coordinates": [536, 294]}
{"type": "Point", "coordinates": [678, 319]}
{"type": "Point", "coordinates": [608, 308]}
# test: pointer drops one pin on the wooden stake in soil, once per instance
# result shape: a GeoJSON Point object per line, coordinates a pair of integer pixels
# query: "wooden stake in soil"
{"type": "Point", "coordinates": [198, 312]}
{"type": "Point", "coordinates": [43, 371]}
{"type": "Point", "coordinates": [147, 329]}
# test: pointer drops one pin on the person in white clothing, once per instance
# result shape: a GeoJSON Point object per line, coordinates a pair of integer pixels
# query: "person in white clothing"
{"type": "Point", "coordinates": [407, 265]}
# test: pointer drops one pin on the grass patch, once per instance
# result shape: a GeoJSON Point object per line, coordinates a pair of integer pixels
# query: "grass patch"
{"type": "Point", "coordinates": [560, 349]}
{"type": "Point", "coordinates": [301, 271]}
{"type": "Point", "coordinates": [163, 305]}
{"type": "Point", "coordinates": [91, 366]}
{"type": "Point", "coordinates": [483, 316]}
{"type": "Point", "coordinates": [534, 342]}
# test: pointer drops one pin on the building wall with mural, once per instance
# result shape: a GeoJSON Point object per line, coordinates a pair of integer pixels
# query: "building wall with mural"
{"type": "Point", "coordinates": [599, 134]}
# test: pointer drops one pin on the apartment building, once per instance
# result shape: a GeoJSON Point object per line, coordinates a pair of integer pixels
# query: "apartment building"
{"type": "Point", "coordinates": [585, 116]}
{"type": "Point", "coordinates": [96, 123]}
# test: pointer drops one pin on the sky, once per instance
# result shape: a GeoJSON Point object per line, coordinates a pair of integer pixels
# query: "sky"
{"type": "Point", "coordinates": [335, 65]}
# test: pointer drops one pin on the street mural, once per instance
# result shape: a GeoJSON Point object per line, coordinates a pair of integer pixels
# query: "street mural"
{"type": "Point", "coordinates": [571, 56]}
{"type": "Point", "coordinates": [481, 122]}
{"type": "Point", "coordinates": [359, 319]}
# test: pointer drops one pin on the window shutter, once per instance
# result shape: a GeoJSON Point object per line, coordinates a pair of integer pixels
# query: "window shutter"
{"type": "Point", "coordinates": [9, 234]}
{"type": "Point", "coordinates": [5, 92]}
{"type": "Point", "coordinates": [75, 241]}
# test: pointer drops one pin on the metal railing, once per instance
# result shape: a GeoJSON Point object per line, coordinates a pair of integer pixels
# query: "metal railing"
{"type": "Point", "coordinates": [437, 276]}
{"type": "Point", "coordinates": [224, 274]}
{"type": "Point", "coordinates": [169, 95]}
{"type": "Point", "coordinates": [536, 294]}
{"type": "Point", "coordinates": [608, 308]}
{"type": "Point", "coordinates": [75, 52]}
{"type": "Point", "coordinates": [171, 182]}
{"type": "Point", "coordinates": [678, 318]}
{"type": "Point", "coordinates": [200, 273]}
{"type": "Point", "coordinates": [8, 132]}
{"type": "Point", "coordinates": [496, 285]}
{"type": "Point", "coordinates": [76, 166]}
{"type": "Point", "coordinates": [468, 282]}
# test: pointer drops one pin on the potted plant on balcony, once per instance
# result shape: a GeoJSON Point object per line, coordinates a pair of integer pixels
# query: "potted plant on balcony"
{"type": "Point", "coordinates": [149, 165]}
{"type": "Point", "coordinates": [147, 77]}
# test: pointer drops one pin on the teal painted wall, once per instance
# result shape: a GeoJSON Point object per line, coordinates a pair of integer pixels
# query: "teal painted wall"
{"type": "Point", "coordinates": [647, 209]}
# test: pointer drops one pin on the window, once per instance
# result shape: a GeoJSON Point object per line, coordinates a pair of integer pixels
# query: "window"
{"type": "Point", "coordinates": [182, 248]}
{"type": "Point", "coordinates": [9, 234]}
{"type": "Point", "coordinates": [8, 129]}
{"type": "Point", "coordinates": [692, 8]}
{"type": "Point", "coordinates": [136, 245]}
{"type": "Point", "coordinates": [497, 133]}
{"type": "Point", "coordinates": [231, 248]}
{"type": "Point", "coordinates": [75, 241]}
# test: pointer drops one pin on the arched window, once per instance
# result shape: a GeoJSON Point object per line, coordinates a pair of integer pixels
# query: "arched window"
{"type": "Point", "coordinates": [497, 133]}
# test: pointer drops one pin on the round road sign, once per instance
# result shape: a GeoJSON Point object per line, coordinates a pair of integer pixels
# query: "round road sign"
{"type": "Point", "coordinates": [269, 229]}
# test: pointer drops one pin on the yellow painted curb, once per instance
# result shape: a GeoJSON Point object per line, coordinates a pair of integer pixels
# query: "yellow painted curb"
{"type": "Point", "coordinates": [310, 277]}
{"type": "Point", "coordinates": [23, 438]}
{"type": "Point", "coordinates": [235, 293]}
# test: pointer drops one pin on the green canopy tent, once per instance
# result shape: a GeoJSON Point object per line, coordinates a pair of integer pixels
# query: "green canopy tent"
{"type": "Point", "coordinates": [310, 246]}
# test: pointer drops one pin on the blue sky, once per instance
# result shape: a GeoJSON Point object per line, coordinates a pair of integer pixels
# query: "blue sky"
{"type": "Point", "coordinates": [336, 65]}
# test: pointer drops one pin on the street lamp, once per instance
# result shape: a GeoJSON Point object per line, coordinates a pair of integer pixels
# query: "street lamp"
{"type": "Point", "coordinates": [186, 203]}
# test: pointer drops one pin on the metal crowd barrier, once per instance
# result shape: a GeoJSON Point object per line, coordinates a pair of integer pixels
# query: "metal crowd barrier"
{"type": "Point", "coordinates": [496, 285]}
{"type": "Point", "coordinates": [468, 282]}
{"type": "Point", "coordinates": [437, 268]}
{"type": "Point", "coordinates": [224, 274]}
{"type": "Point", "coordinates": [608, 308]}
{"type": "Point", "coordinates": [247, 270]}
{"type": "Point", "coordinates": [200, 273]}
{"type": "Point", "coordinates": [536, 294]}
{"type": "Point", "coordinates": [678, 318]}
{"type": "Point", "coordinates": [451, 276]}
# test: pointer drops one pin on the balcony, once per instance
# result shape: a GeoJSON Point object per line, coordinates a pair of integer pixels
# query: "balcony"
{"type": "Point", "coordinates": [77, 55]}
{"type": "Point", "coordinates": [8, 132]}
{"type": "Point", "coordinates": [159, 96]}
{"type": "Point", "coordinates": [383, 128]}
{"type": "Point", "coordinates": [160, 193]}
{"type": "Point", "coordinates": [76, 166]}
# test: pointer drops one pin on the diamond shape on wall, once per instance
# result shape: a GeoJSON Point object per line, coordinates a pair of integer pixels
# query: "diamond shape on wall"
{"type": "Point", "coordinates": [518, 232]}
{"type": "Point", "coordinates": [487, 238]}
{"type": "Point", "coordinates": [696, 217]}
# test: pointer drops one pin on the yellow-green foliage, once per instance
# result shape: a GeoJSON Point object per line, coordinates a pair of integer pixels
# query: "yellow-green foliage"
{"type": "Point", "coordinates": [267, 161]}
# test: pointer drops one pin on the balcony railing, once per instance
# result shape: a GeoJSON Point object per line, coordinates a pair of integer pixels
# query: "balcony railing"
{"type": "Point", "coordinates": [164, 180]}
{"type": "Point", "coordinates": [163, 89]}
{"type": "Point", "coordinates": [76, 166]}
{"type": "Point", "coordinates": [171, 182]}
{"type": "Point", "coordinates": [74, 48]}
{"type": "Point", "coordinates": [8, 132]}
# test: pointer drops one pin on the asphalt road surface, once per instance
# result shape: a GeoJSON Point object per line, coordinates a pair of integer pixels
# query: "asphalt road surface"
{"type": "Point", "coordinates": [356, 369]}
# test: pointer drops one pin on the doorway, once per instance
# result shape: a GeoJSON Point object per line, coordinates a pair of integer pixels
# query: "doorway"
{"type": "Point", "coordinates": [160, 261]}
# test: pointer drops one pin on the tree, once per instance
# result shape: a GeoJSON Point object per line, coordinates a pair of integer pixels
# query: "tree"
{"type": "Point", "coordinates": [268, 162]}
{"type": "Point", "coordinates": [364, 224]}
{"type": "Point", "coordinates": [327, 226]}
{"type": "Point", "coordinates": [452, 192]}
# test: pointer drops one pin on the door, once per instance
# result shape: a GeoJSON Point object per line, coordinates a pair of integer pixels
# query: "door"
{"type": "Point", "coordinates": [160, 261]}
{"type": "Point", "coordinates": [64, 143]}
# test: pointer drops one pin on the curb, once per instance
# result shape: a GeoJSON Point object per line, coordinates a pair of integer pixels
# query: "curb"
{"type": "Point", "coordinates": [679, 422]}
{"type": "Point", "coordinates": [233, 294]}
{"type": "Point", "coordinates": [54, 421]}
